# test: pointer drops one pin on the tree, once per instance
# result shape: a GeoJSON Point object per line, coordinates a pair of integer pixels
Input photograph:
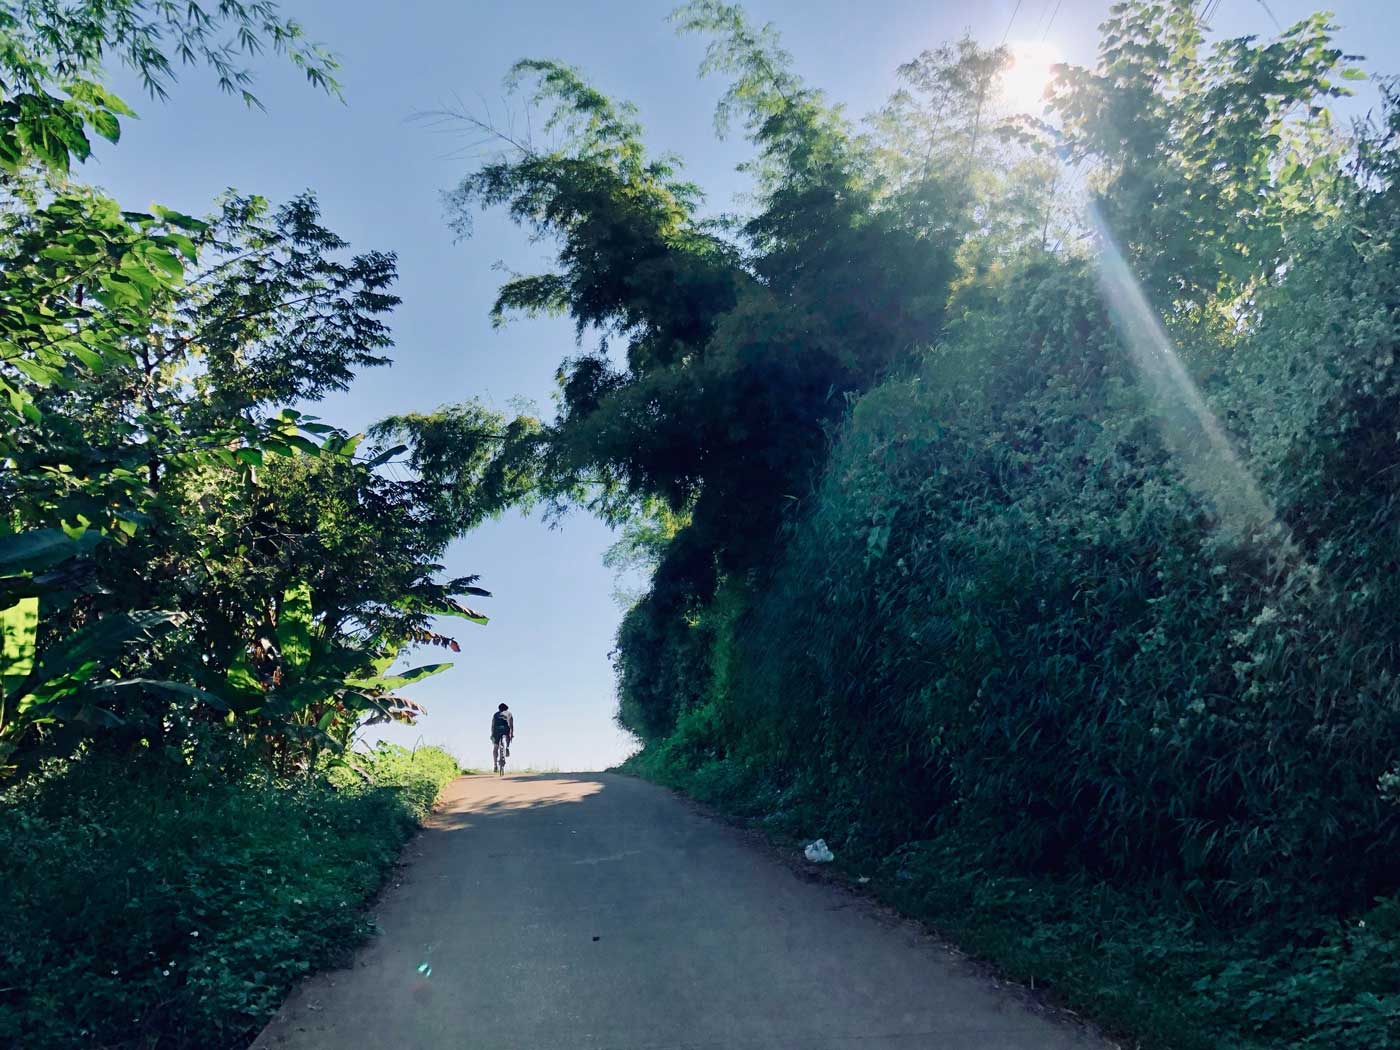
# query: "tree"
{"type": "Point", "coordinates": [741, 345]}
{"type": "Point", "coordinates": [180, 552]}
{"type": "Point", "coordinates": [1205, 161]}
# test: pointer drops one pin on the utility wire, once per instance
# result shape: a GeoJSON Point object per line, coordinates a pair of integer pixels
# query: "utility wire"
{"type": "Point", "coordinates": [1011, 23]}
{"type": "Point", "coordinates": [1270, 12]}
{"type": "Point", "coordinates": [1050, 24]}
{"type": "Point", "coordinates": [1044, 10]}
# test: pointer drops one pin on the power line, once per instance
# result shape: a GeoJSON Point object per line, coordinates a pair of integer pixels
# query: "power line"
{"type": "Point", "coordinates": [1270, 12]}
{"type": "Point", "coordinates": [1011, 23]}
{"type": "Point", "coordinates": [1050, 24]}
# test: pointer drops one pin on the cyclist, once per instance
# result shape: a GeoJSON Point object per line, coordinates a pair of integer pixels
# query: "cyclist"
{"type": "Point", "coordinates": [502, 733]}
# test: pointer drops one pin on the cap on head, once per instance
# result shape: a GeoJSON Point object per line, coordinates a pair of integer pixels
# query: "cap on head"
{"type": "Point", "coordinates": [501, 708]}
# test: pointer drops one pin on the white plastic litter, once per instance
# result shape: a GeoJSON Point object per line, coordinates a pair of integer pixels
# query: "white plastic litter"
{"type": "Point", "coordinates": [818, 853]}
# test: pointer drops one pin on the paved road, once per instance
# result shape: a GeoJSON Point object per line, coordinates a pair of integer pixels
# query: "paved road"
{"type": "Point", "coordinates": [597, 912]}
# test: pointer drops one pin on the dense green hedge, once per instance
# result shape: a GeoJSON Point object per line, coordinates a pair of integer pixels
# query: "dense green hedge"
{"type": "Point", "coordinates": [1035, 624]}
{"type": "Point", "coordinates": [1010, 608]}
{"type": "Point", "coordinates": [150, 907]}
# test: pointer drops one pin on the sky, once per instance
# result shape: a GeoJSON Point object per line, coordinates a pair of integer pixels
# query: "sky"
{"type": "Point", "coordinates": [379, 170]}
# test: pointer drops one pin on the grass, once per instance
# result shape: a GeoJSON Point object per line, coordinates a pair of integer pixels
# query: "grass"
{"type": "Point", "coordinates": [165, 906]}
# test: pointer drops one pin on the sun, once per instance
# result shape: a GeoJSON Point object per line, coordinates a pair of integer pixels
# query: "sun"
{"type": "Point", "coordinates": [1024, 83]}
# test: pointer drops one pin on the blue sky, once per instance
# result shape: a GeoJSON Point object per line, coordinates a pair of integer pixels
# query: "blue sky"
{"type": "Point", "coordinates": [379, 174]}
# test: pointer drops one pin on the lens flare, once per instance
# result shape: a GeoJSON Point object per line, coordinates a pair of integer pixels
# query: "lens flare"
{"type": "Point", "coordinates": [1194, 434]}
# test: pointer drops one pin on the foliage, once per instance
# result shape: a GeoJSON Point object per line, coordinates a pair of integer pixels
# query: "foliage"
{"type": "Point", "coordinates": [202, 589]}
{"type": "Point", "coordinates": [175, 905]}
{"type": "Point", "coordinates": [51, 95]}
{"type": "Point", "coordinates": [1207, 160]}
{"type": "Point", "coordinates": [420, 774]}
{"type": "Point", "coordinates": [146, 361]}
{"type": "Point", "coordinates": [1011, 643]}
{"type": "Point", "coordinates": [740, 346]}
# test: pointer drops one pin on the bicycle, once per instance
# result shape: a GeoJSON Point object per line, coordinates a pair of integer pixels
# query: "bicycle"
{"type": "Point", "coordinates": [500, 751]}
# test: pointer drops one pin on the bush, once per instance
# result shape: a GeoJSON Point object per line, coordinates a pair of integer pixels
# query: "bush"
{"type": "Point", "coordinates": [1145, 964]}
{"type": "Point", "coordinates": [163, 906]}
{"type": "Point", "coordinates": [1135, 696]}
{"type": "Point", "coordinates": [419, 774]}
{"type": "Point", "coordinates": [1012, 607]}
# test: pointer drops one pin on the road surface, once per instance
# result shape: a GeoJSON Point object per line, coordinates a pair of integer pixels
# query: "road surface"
{"type": "Point", "coordinates": [598, 912]}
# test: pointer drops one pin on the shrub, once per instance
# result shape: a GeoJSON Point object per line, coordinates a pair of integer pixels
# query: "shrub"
{"type": "Point", "coordinates": [170, 905]}
{"type": "Point", "coordinates": [419, 774]}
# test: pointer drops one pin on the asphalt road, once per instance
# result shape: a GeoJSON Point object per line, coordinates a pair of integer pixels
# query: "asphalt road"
{"type": "Point", "coordinates": [597, 912]}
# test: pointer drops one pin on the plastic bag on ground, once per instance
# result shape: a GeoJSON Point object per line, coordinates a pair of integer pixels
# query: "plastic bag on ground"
{"type": "Point", "coordinates": [818, 853]}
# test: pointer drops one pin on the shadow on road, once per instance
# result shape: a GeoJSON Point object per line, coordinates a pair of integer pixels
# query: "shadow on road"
{"type": "Point", "coordinates": [591, 910]}
{"type": "Point", "coordinates": [497, 796]}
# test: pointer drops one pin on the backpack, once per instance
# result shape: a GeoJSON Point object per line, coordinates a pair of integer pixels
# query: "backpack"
{"type": "Point", "coordinates": [500, 724]}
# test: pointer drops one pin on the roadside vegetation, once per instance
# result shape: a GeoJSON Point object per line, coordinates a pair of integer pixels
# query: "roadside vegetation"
{"type": "Point", "coordinates": [204, 589]}
{"type": "Point", "coordinates": [169, 906]}
{"type": "Point", "coordinates": [1019, 497]}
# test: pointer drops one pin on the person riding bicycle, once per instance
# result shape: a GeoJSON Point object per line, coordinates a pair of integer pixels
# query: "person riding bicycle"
{"type": "Point", "coordinates": [502, 733]}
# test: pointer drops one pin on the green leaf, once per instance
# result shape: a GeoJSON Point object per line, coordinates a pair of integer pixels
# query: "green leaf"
{"type": "Point", "coordinates": [179, 219]}
{"type": "Point", "coordinates": [106, 125]}
{"type": "Point", "coordinates": [39, 374]}
{"type": "Point", "coordinates": [386, 455]}
{"type": "Point", "coordinates": [349, 445]}
{"type": "Point", "coordinates": [175, 690]}
{"type": "Point", "coordinates": [102, 643]}
{"type": "Point", "coordinates": [91, 359]}
{"type": "Point", "coordinates": [181, 244]}
{"type": "Point", "coordinates": [300, 443]}
{"type": "Point", "coordinates": [20, 627]}
{"type": "Point", "coordinates": [167, 264]}
{"type": "Point", "coordinates": [388, 683]}
{"type": "Point", "coordinates": [39, 549]}
{"type": "Point", "coordinates": [294, 627]}
{"type": "Point", "coordinates": [242, 679]}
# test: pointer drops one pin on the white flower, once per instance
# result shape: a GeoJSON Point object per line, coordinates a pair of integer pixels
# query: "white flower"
{"type": "Point", "coordinates": [165, 973]}
{"type": "Point", "coordinates": [194, 933]}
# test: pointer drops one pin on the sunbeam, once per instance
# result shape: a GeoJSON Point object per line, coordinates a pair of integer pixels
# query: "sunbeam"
{"type": "Point", "coordinates": [1193, 432]}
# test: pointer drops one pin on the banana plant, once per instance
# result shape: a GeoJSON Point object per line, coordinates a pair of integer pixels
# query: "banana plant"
{"type": "Point", "coordinates": [319, 688]}
{"type": "Point", "coordinates": [69, 680]}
